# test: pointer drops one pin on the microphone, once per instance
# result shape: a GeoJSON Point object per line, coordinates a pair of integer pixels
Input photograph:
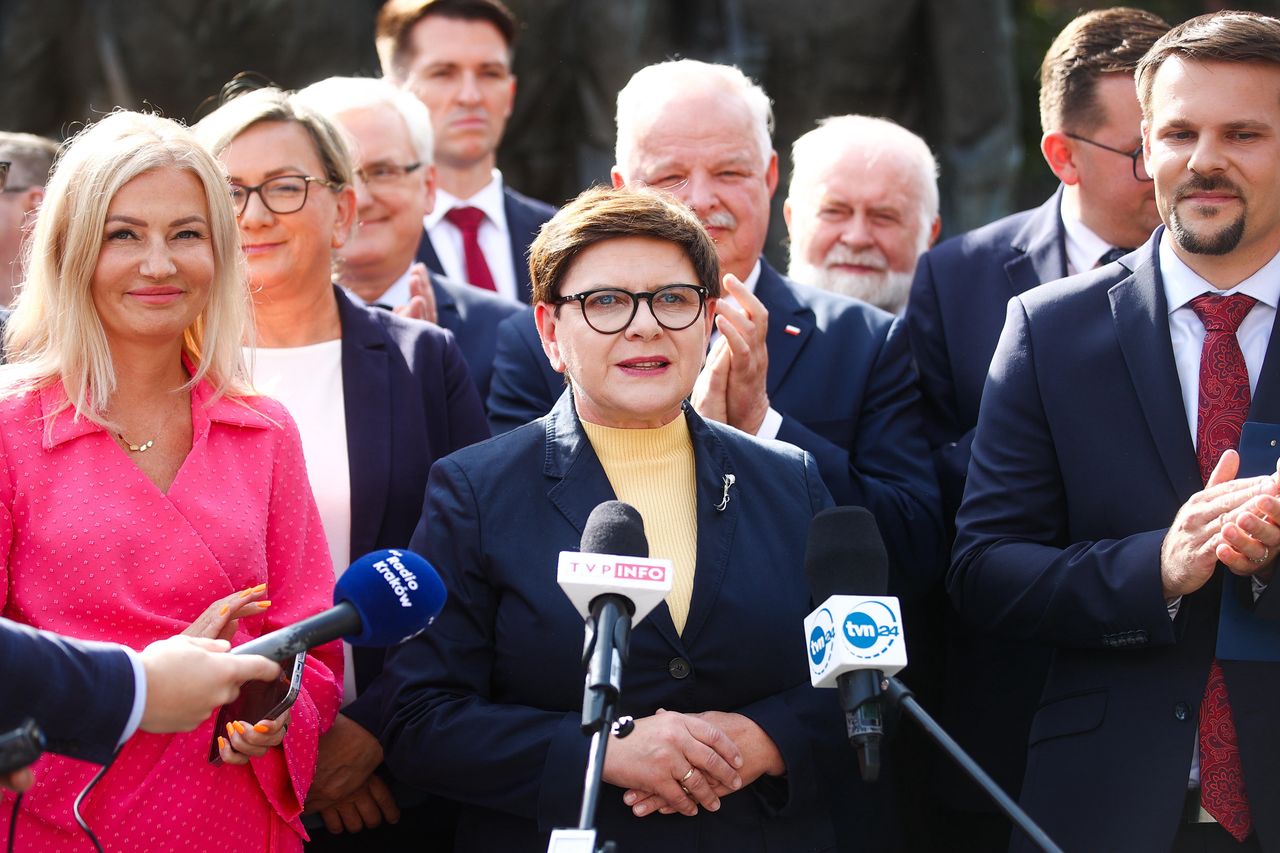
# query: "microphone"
{"type": "Point", "coordinates": [383, 599]}
{"type": "Point", "coordinates": [855, 641]}
{"type": "Point", "coordinates": [614, 584]}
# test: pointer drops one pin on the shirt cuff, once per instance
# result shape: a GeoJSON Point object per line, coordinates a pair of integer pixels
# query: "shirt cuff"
{"type": "Point", "coordinates": [139, 696]}
{"type": "Point", "coordinates": [771, 424]}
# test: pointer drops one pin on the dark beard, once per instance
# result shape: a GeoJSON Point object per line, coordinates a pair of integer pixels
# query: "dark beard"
{"type": "Point", "coordinates": [1221, 242]}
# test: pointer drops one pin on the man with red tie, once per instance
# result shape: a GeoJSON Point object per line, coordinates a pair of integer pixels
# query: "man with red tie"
{"type": "Point", "coordinates": [1104, 515]}
{"type": "Point", "coordinates": [455, 56]}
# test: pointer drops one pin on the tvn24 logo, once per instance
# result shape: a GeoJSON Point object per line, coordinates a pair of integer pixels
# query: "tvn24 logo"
{"type": "Point", "coordinates": [867, 631]}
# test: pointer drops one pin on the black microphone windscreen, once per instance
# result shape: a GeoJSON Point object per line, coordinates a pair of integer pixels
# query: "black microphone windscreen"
{"type": "Point", "coordinates": [845, 554]}
{"type": "Point", "coordinates": [616, 528]}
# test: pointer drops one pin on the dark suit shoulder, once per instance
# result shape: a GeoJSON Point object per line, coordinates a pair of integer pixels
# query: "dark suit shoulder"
{"type": "Point", "coordinates": [1083, 291]}
{"type": "Point", "coordinates": [837, 310]}
{"type": "Point", "coordinates": [994, 237]}
{"type": "Point", "coordinates": [532, 206]}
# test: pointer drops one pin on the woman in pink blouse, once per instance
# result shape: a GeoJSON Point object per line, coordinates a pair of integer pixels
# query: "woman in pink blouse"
{"type": "Point", "coordinates": [141, 479]}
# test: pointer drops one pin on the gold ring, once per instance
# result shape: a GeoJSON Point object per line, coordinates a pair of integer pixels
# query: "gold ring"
{"type": "Point", "coordinates": [1266, 555]}
{"type": "Point", "coordinates": [687, 792]}
{"type": "Point", "coordinates": [685, 778]}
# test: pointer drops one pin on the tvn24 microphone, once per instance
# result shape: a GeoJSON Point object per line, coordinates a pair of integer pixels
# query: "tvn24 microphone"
{"type": "Point", "coordinates": [855, 641]}
{"type": "Point", "coordinates": [383, 599]}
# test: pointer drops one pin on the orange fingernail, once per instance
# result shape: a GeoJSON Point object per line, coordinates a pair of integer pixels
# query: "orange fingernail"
{"type": "Point", "coordinates": [224, 610]}
{"type": "Point", "coordinates": [230, 729]}
{"type": "Point", "coordinates": [246, 593]}
{"type": "Point", "coordinates": [240, 728]}
{"type": "Point", "coordinates": [264, 604]}
{"type": "Point", "coordinates": [259, 588]}
{"type": "Point", "coordinates": [262, 728]}
{"type": "Point", "coordinates": [222, 742]}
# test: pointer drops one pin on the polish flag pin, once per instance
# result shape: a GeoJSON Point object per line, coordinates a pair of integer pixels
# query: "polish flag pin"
{"type": "Point", "coordinates": [792, 330]}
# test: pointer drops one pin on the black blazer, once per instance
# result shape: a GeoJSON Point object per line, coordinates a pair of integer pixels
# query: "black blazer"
{"type": "Point", "coordinates": [1081, 459]}
{"type": "Point", "coordinates": [524, 217]}
{"type": "Point", "coordinates": [80, 693]}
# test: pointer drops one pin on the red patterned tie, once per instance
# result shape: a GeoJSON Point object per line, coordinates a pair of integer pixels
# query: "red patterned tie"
{"type": "Point", "coordinates": [467, 220]}
{"type": "Point", "coordinates": [1224, 405]}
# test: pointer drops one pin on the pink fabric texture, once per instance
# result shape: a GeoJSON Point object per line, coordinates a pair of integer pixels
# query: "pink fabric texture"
{"type": "Point", "coordinates": [91, 548]}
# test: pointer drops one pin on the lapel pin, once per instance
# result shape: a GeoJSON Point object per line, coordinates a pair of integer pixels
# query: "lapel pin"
{"type": "Point", "coordinates": [729, 480]}
{"type": "Point", "coordinates": [792, 330]}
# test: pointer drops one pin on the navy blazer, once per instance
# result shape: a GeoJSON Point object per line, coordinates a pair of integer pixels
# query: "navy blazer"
{"type": "Point", "coordinates": [409, 401]}
{"type": "Point", "coordinates": [488, 705]}
{"type": "Point", "coordinates": [80, 693]}
{"type": "Point", "coordinates": [524, 217]}
{"type": "Point", "coordinates": [473, 316]}
{"type": "Point", "coordinates": [1081, 460]}
{"type": "Point", "coordinates": [841, 375]}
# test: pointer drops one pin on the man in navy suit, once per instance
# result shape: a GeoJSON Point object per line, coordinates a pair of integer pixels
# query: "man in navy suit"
{"type": "Point", "coordinates": [455, 55]}
{"type": "Point", "coordinates": [825, 372]}
{"type": "Point", "coordinates": [390, 132]}
{"type": "Point", "coordinates": [1090, 118]}
{"type": "Point", "coordinates": [88, 698]}
{"type": "Point", "coordinates": [1102, 492]}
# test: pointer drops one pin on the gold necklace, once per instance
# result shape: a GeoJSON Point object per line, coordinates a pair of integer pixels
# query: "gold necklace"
{"type": "Point", "coordinates": [149, 443]}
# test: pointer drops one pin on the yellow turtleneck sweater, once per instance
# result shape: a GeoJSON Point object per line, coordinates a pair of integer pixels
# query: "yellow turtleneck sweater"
{"type": "Point", "coordinates": [653, 470]}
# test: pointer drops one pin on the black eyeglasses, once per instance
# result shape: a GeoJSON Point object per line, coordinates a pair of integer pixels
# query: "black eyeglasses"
{"type": "Point", "coordinates": [1139, 168]}
{"type": "Point", "coordinates": [609, 310]}
{"type": "Point", "coordinates": [283, 194]}
{"type": "Point", "coordinates": [4, 173]}
{"type": "Point", "coordinates": [384, 174]}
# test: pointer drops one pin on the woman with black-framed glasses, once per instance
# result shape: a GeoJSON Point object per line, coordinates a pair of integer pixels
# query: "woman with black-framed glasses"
{"type": "Point", "coordinates": [377, 397]}
{"type": "Point", "coordinates": [488, 705]}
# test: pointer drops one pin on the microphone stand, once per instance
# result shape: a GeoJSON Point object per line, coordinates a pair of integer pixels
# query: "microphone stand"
{"type": "Point", "coordinates": [608, 634]}
{"type": "Point", "coordinates": [900, 696]}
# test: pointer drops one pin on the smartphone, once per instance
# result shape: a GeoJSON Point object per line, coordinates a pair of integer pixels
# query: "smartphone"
{"type": "Point", "coordinates": [260, 700]}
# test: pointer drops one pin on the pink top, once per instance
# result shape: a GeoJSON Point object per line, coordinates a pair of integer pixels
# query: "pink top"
{"type": "Point", "coordinates": [94, 550]}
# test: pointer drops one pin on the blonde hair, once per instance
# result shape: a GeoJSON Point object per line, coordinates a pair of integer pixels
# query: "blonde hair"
{"type": "Point", "coordinates": [54, 334]}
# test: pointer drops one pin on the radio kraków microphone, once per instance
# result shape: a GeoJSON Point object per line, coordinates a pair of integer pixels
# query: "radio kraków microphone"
{"type": "Point", "coordinates": [854, 641]}
{"type": "Point", "coordinates": [614, 584]}
{"type": "Point", "coordinates": [383, 599]}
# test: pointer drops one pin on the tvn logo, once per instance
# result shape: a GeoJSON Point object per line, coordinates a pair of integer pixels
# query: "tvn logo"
{"type": "Point", "coordinates": [648, 572]}
{"type": "Point", "coordinates": [849, 632]}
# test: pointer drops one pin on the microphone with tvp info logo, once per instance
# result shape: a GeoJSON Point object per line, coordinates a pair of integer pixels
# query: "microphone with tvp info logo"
{"type": "Point", "coordinates": [383, 599]}
{"type": "Point", "coordinates": [613, 583]}
{"type": "Point", "coordinates": [856, 644]}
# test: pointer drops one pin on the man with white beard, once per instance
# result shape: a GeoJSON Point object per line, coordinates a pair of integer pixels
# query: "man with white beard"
{"type": "Point", "coordinates": [862, 208]}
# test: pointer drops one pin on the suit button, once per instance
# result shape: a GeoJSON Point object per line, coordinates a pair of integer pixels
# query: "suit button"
{"type": "Point", "coordinates": [679, 668]}
{"type": "Point", "coordinates": [1181, 711]}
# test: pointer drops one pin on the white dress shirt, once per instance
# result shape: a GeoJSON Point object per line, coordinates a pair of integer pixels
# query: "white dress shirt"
{"type": "Point", "coordinates": [393, 297]}
{"type": "Point", "coordinates": [494, 236]}
{"type": "Point", "coordinates": [1084, 248]}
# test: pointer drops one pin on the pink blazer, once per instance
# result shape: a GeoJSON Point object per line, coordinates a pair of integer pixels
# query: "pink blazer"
{"type": "Point", "coordinates": [91, 548]}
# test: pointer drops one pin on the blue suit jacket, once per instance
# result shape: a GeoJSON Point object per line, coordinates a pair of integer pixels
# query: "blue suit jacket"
{"type": "Point", "coordinates": [473, 316]}
{"type": "Point", "coordinates": [409, 401]}
{"type": "Point", "coordinates": [488, 707]}
{"type": "Point", "coordinates": [1081, 460]}
{"type": "Point", "coordinates": [846, 388]}
{"type": "Point", "coordinates": [524, 217]}
{"type": "Point", "coordinates": [80, 693]}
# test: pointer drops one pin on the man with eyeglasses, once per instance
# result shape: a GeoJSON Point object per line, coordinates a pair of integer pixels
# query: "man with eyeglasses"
{"type": "Point", "coordinates": [455, 56]}
{"type": "Point", "coordinates": [1104, 208]}
{"type": "Point", "coordinates": [27, 159]}
{"type": "Point", "coordinates": [390, 132]}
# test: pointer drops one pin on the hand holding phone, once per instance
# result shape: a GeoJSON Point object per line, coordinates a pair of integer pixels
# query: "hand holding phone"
{"type": "Point", "coordinates": [256, 720]}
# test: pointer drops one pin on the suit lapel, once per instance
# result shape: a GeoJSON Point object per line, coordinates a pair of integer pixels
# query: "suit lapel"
{"type": "Point", "coordinates": [448, 315]}
{"type": "Point", "coordinates": [1141, 318]}
{"type": "Point", "coordinates": [427, 254]}
{"type": "Point", "coordinates": [366, 402]}
{"type": "Point", "coordinates": [790, 324]}
{"type": "Point", "coordinates": [715, 527]}
{"type": "Point", "coordinates": [521, 233]}
{"type": "Point", "coordinates": [1042, 244]}
{"type": "Point", "coordinates": [1266, 397]}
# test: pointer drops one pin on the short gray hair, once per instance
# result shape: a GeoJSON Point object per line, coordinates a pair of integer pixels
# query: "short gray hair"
{"type": "Point", "coordinates": [30, 158]}
{"type": "Point", "coordinates": [836, 133]}
{"type": "Point", "coordinates": [655, 84]}
{"type": "Point", "coordinates": [336, 95]}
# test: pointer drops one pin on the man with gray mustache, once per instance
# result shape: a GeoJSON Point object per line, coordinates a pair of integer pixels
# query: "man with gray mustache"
{"type": "Point", "coordinates": [862, 208]}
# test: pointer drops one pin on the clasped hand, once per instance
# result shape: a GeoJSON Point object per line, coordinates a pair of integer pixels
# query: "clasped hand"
{"type": "Point", "coordinates": [731, 388]}
{"type": "Point", "coordinates": [1235, 522]}
{"type": "Point", "coordinates": [674, 763]}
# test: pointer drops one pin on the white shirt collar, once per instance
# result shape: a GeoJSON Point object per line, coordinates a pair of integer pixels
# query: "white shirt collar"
{"type": "Point", "coordinates": [394, 296]}
{"type": "Point", "coordinates": [489, 199]}
{"type": "Point", "coordinates": [1182, 284]}
{"type": "Point", "coordinates": [1084, 248]}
